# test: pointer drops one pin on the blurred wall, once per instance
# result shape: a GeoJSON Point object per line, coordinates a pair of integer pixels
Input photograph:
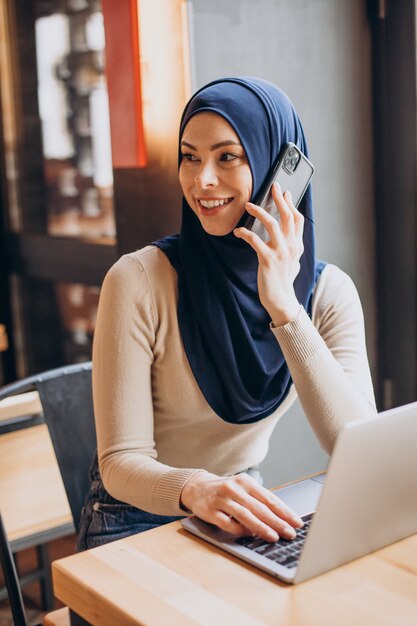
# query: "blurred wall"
{"type": "Point", "coordinates": [320, 54]}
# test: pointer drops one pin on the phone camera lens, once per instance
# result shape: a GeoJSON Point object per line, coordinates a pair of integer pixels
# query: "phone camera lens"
{"type": "Point", "coordinates": [291, 152]}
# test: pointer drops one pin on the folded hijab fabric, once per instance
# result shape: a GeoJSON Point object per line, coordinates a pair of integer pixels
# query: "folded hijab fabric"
{"type": "Point", "coordinates": [235, 358]}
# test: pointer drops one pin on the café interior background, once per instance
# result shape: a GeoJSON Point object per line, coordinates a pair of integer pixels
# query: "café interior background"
{"type": "Point", "coordinates": [69, 211]}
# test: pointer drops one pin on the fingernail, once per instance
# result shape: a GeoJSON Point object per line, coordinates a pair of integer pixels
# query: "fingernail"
{"type": "Point", "coordinates": [297, 520]}
{"type": "Point", "coordinates": [272, 535]}
{"type": "Point", "coordinates": [289, 532]}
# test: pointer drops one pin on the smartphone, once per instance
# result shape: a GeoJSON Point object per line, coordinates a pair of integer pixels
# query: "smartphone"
{"type": "Point", "coordinates": [293, 171]}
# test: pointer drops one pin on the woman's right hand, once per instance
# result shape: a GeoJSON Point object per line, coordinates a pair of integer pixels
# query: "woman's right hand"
{"type": "Point", "coordinates": [239, 505]}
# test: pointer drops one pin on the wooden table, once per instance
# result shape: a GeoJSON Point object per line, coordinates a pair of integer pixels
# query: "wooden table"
{"type": "Point", "coordinates": [168, 577]}
{"type": "Point", "coordinates": [33, 501]}
{"type": "Point", "coordinates": [21, 404]}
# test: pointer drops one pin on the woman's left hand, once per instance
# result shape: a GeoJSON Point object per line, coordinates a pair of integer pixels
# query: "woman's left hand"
{"type": "Point", "coordinates": [279, 258]}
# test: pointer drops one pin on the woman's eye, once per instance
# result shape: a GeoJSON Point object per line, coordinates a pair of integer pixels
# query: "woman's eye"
{"type": "Point", "coordinates": [189, 157]}
{"type": "Point", "coordinates": [229, 156]}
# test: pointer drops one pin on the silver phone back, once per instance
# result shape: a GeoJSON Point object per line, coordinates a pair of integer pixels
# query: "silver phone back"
{"type": "Point", "coordinates": [296, 183]}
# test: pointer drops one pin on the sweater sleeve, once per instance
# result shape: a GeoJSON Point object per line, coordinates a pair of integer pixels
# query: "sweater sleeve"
{"type": "Point", "coordinates": [122, 392]}
{"type": "Point", "coordinates": [328, 362]}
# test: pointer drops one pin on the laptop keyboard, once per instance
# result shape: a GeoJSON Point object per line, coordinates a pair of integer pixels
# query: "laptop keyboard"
{"type": "Point", "coordinates": [284, 551]}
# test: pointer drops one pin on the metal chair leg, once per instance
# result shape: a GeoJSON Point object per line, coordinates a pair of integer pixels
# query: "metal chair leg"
{"type": "Point", "coordinates": [11, 579]}
{"type": "Point", "coordinates": [41, 574]}
{"type": "Point", "coordinates": [47, 596]}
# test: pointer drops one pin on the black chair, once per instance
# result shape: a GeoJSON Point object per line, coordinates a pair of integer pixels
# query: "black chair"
{"type": "Point", "coordinates": [66, 397]}
{"type": "Point", "coordinates": [67, 402]}
{"type": "Point", "coordinates": [11, 579]}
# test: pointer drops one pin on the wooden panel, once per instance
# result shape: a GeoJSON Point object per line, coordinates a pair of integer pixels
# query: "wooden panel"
{"type": "Point", "coordinates": [149, 201]}
{"type": "Point", "coordinates": [59, 259]}
{"type": "Point", "coordinates": [40, 326]}
{"type": "Point", "coordinates": [396, 198]}
{"type": "Point", "coordinates": [123, 81]}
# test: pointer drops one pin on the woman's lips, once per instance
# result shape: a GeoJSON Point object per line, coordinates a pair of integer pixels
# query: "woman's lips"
{"type": "Point", "coordinates": [216, 205]}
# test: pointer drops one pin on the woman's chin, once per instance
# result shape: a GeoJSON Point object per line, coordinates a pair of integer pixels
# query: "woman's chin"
{"type": "Point", "coordinates": [219, 228]}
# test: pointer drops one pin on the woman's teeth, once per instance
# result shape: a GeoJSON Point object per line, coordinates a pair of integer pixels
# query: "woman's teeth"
{"type": "Point", "coordinates": [210, 204]}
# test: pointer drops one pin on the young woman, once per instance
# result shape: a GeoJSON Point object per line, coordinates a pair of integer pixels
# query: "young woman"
{"type": "Point", "coordinates": [204, 339]}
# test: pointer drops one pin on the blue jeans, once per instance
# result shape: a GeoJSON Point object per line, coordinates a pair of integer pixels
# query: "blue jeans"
{"type": "Point", "coordinates": [105, 519]}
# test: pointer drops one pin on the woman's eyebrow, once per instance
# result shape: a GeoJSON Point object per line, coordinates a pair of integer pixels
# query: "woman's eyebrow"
{"type": "Point", "coordinates": [221, 144]}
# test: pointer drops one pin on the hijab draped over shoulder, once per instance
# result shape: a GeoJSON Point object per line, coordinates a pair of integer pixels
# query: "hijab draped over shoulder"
{"type": "Point", "coordinates": [235, 357]}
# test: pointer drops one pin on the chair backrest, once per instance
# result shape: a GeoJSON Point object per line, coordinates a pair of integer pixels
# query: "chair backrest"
{"type": "Point", "coordinates": [11, 579]}
{"type": "Point", "coordinates": [66, 398]}
{"type": "Point", "coordinates": [67, 401]}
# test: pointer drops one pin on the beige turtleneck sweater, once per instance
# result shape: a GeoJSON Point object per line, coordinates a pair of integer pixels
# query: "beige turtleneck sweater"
{"type": "Point", "coordinates": [154, 426]}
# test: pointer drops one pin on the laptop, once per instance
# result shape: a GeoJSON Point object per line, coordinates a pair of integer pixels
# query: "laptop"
{"type": "Point", "coordinates": [367, 499]}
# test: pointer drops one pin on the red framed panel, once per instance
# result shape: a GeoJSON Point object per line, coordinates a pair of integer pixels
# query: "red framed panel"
{"type": "Point", "coordinates": [123, 81]}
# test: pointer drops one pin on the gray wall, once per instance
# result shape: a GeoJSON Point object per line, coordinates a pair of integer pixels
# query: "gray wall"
{"type": "Point", "coordinates": [319, 52]}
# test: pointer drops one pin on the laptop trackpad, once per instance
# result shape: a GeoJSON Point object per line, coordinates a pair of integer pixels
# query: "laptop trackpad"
{"type": "Point", "coordinates": [302, 497]}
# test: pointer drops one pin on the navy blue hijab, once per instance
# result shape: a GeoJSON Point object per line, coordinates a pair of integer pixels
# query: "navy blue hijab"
{"type": "Point", "coordinates": [234, 356]}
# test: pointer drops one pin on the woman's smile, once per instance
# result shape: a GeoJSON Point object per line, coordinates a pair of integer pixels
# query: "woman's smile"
{"type": "Point", "coordinates": [212, 206]}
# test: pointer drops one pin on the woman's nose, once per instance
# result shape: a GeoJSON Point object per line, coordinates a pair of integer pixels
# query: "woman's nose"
{"type": "Point", "coordinates": [206, 175]}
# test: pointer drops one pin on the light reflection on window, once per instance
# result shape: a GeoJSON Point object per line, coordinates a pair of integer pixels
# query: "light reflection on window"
{"type": "Point", "coordinates": [73, 106]}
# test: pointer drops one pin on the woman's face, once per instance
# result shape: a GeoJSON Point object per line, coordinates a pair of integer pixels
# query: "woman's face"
{"type": "Point", "coordinates": [214, 174]}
